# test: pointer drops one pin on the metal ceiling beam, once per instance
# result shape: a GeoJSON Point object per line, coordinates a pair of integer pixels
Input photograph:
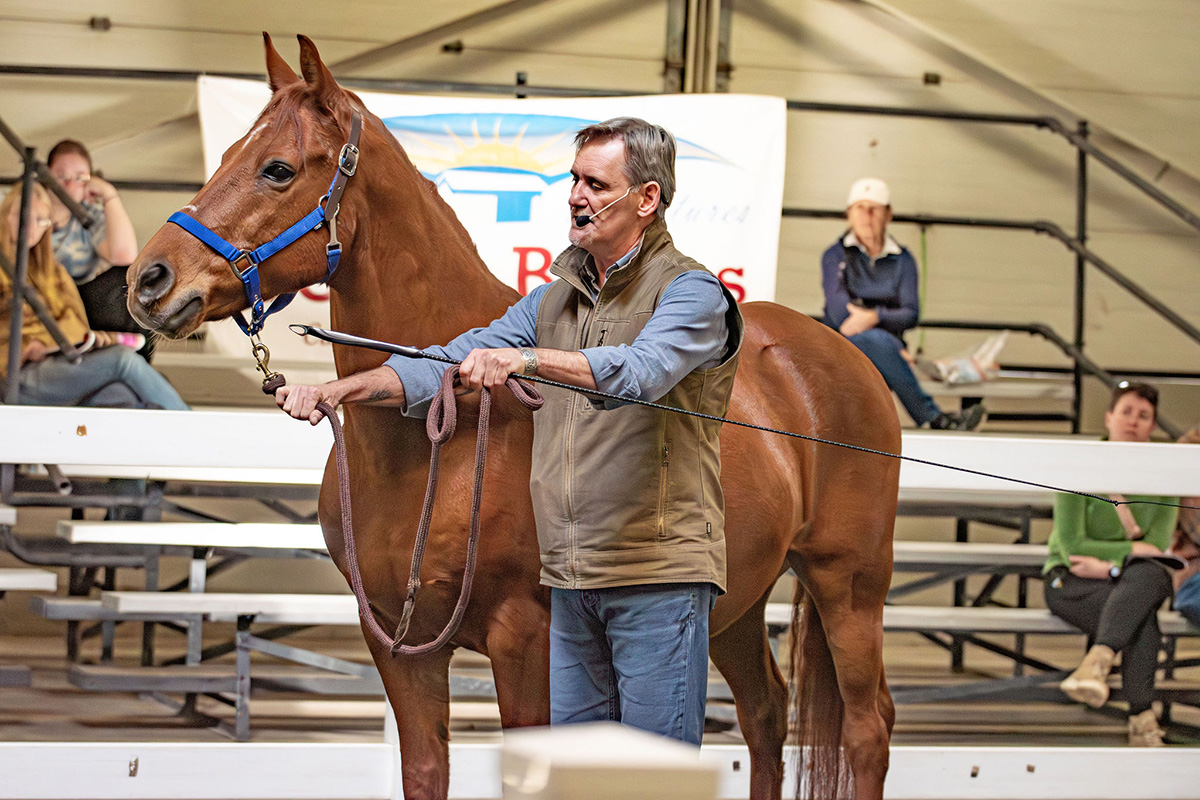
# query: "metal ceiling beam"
{"type": "Point", "coordinates": [434, 36]}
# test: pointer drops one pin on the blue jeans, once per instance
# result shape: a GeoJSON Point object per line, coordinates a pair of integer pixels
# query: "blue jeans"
{"type": "Point", "coordinates": [634, 654]}
{"type": "Point", "coordinates": [1187, 599]}
{"type": "Point", "coordinates": [55, 381]}
{"type": "Point", "coordinates": [884, 351]}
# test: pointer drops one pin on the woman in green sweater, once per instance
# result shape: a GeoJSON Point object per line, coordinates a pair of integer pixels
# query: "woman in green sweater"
{"type": "Point", "coordinates": [1095, 580]}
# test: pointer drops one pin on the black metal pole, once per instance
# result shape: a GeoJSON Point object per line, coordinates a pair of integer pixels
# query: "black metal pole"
{"type": "Point", "coordinates": [12, 382]}
{"type": "Point", "coordinates": [39, 309]}
{"type": "Point", "coordinates": [45, 177]}
{"type": "Point", "coordinates": [1081, 189]}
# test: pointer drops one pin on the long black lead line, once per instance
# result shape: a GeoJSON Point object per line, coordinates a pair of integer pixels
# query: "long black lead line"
{"type": "Point", "coordinates": [336, 337]}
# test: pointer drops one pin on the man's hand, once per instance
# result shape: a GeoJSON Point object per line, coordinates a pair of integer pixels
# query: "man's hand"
{"type": "Point", "coordinates": [34, 351]}
{"type": "Point", "coordinates": [301, 401]}
{"type": "Point", "coordinates": [490, 368]}
{"type": "Point", "coordinates": [1090, 567]}
{"type": "Point", "coordinates": [1145, 549]}
{"type": "Point", "coordinates": [860, 319]}
{"type": "Point", "coordinates": [378, 386]}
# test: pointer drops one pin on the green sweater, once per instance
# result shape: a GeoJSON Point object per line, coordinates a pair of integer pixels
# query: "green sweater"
{"type": "Point", "coordinates": [1084, 526]}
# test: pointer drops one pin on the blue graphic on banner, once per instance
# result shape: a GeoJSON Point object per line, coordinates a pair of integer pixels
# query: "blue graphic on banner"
{"type": "Point", "coordinates": [512, 157]}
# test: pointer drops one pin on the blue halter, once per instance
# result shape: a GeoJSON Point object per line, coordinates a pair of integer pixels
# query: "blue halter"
{"type": "Point", "coordinates": [325, 212]}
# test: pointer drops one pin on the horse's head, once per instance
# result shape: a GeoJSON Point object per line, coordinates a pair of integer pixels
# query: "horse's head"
{"type": "Point", "coordinates": [271, 178]}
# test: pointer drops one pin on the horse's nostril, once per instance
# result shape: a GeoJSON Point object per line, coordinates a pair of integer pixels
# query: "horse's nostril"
{"type": "Point", "coordinates": [154, 282]}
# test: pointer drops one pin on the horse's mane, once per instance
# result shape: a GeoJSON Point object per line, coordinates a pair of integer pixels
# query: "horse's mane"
{"type": "Point", "coordinates": [293, 101]}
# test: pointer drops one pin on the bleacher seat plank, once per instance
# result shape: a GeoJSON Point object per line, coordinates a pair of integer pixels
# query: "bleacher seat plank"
{"type": "Point", "coordinates": [267, 535]}
{"type": "Point", "coordinates": [278, 609]}
{"type": "Point", "coordinates": [912, 556]}
{"type": "Point", "coordinates": [268, 446]}
{"type": "Point", "coordinates": [1004, 388]}
{"type": "Point", "coordinates": [27, 579]}
{"type": "Point", "coordinates": [987, 619]}
{"type": "Point", "coordinates": [219, 678]}
{"type": "Point", "coordinates": [86, 609]}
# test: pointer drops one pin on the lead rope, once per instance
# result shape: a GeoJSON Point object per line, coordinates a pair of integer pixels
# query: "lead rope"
{"type": "Point", "coordinates": [439, 426]}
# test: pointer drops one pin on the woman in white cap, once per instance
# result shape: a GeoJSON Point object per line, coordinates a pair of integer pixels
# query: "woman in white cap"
{"type": "Point", "coordinates": [871, 297]}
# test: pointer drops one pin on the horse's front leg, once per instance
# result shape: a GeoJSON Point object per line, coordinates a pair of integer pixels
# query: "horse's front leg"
{"type": "Point", "coordinates": [518, 644]}
{"type": "Point", "coordinates": [418, 689]}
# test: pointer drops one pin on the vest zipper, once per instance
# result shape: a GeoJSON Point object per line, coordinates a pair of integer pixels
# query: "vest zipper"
{"type": "Point", "coordinates": [568, 473]}
{"type": "Point", "coordinates": [662, 491]}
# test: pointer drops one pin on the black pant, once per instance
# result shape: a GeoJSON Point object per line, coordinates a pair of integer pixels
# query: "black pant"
{"type": "Point", "coordinates": [1122, 615]}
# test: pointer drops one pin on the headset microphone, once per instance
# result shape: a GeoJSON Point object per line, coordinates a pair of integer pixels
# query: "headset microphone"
{"type": "Point", "coordinates": [584, 219]}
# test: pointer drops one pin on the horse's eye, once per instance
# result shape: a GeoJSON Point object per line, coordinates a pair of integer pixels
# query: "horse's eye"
{"type": "Point", "coordinates": [278, 172]}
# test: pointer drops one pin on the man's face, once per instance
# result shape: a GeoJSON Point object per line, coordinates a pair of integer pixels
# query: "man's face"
{"type": "Point", "coordinates": [598, 178]}
{"type": "Point", "coordinates": [868, 220]}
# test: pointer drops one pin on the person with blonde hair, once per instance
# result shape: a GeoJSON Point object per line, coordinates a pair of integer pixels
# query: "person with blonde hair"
{"type": "Point", "coordinates": [109, 373]}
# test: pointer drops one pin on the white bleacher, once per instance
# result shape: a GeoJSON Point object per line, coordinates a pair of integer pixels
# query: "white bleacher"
{"type": "Point", "coordinates": [268, 445]}
{"type": "Point", "coordinates": [279, 609]}
{"type": "Point", "coordinates": [26, 579]}
{"type": "Point", "coordinates": [259, 535]}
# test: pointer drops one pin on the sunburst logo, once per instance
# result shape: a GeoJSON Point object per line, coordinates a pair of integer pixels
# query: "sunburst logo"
{"type": "Point", "coordinates": [513, 157]}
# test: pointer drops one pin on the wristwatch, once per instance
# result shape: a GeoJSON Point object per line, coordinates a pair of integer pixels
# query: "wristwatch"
{"type": "Point", "coordinates": [531, 361]}
{"type": "Point", "coordinates": [1114, 572]}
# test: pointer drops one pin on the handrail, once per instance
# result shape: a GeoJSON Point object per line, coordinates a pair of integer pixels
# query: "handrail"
{"type": "Point", "coordinates": [46, 178]}
{"type": "Point", "coordinates": [1052, 336]}
{"type": "Point", "coordinates": [1052, 124]}
{"type": "Point", "coordinates": [12, 380]}
{"type": "Point", "coordinates": [1038, 226]}
{"type": "Point", "coordinates": [39, 309]}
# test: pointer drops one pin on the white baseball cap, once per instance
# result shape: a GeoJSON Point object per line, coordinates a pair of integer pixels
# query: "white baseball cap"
{"type": "Point", "coordinates": [871, 189]}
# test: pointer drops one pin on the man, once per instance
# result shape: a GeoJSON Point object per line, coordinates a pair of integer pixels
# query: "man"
{"type": "Point", "coordinates": [627, 499]}
{"type": "Point", "coordinates": [871, 297]}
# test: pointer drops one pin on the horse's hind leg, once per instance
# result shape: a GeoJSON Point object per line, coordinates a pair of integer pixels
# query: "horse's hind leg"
{"type": "Point", "coordinates": [849, 601]}
{"type": "Point", "coordinates": [418, 689]}
{"type": "Point", "coordinates": [744, 657]}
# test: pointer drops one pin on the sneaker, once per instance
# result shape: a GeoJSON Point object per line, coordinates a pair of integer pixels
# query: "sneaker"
{"type": "Point", "coordinates": [970, 419]}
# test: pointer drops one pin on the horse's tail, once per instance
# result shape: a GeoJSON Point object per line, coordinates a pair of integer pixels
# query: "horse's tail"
{"type": "Point", "coordinates": [816, 707]}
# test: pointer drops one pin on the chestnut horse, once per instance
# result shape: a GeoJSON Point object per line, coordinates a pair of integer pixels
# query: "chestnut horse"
{"type": "Point", "coordinates": [409, 273]}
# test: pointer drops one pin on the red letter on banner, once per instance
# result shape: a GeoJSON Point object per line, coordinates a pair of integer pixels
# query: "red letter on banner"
{"type": "Point", "coordinates": [736, 289]}
{"type": "Point", "coordinates": [525, 272]}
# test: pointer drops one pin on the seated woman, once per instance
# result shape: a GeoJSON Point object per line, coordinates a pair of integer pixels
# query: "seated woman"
{"type": "Point", "coordinates": [1098, 579]}
{"type": "Point", "coordinates": [95, 256]}
{"type": "Point", "coordinates": [47, 377]}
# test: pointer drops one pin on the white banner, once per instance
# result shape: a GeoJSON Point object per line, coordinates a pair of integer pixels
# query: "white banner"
{"type": "Point", "coordinates": [504, 165]}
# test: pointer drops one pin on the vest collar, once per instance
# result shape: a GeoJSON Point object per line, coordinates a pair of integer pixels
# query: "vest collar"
{"type": "Point", "coordinates": [571, 263]}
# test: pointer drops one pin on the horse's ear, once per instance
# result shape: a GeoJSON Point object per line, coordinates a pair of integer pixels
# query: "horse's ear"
{"type": "Point", "coordinates": [316, 74]}
{"type": "Point", "coordinates": [279, 74]}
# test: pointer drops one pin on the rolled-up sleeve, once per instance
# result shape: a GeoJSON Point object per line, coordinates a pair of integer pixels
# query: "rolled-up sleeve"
{"type": "Point", "coordinates": [421, 377]}
{"type": "Point", "coordinates": [687, 331]}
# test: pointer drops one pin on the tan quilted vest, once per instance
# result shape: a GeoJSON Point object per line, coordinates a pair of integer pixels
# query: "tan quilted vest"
{"type": "Point", "coordinates": [630, 495]}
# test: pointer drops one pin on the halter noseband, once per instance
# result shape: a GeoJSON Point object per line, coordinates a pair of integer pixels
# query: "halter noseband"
{"type": "Point", "coordinates": [326, 211]}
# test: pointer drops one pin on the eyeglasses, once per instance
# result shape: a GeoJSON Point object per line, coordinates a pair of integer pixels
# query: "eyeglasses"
{"type": "Point", "coordinates": [82, 177]}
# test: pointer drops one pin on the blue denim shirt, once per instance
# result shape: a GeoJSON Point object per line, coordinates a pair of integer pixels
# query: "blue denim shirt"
{"type": "Point", "coordinates": [687, 331]}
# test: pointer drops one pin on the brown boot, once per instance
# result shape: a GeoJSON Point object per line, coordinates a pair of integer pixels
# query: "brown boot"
{"type": "Point", "coordinates": [1089, 682]}
{"type": "Point", "coordinates": [1144, 730]}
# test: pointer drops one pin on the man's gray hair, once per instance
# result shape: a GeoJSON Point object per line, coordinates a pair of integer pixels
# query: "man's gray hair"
{"type": "Point", "coordinates": [649, 152]}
